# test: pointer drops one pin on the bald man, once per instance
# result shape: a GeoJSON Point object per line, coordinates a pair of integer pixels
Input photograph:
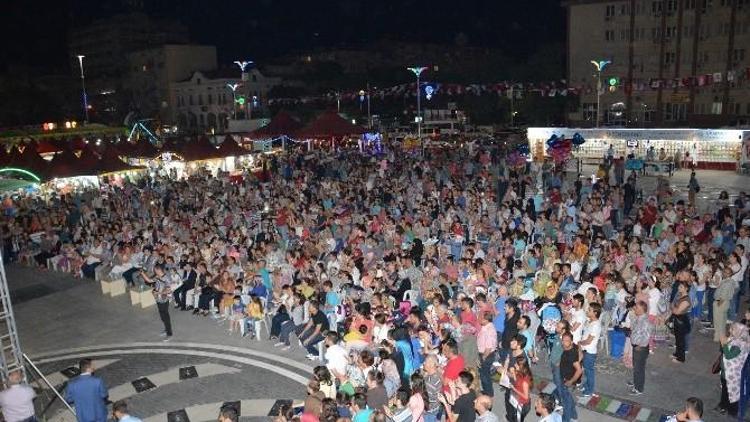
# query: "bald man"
{"type": "Point", "coordinates": [17, 401]}
{"type": "Point", "coordinates": [483, 407]}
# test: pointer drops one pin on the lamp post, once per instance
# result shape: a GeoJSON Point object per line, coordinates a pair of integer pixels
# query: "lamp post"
{"type": "Point", "coordinates": [362, 95]}
{"type": "Point", "coordinates": [83, 90]}
{"type": "Point", "coordinates": [599, 65]}
{"type": "Point", "coordinates": [234, 87]}
{"type": "Point", "coordinates": [417, 72]}
{"type": "Point", "coordinates": [243, 64]}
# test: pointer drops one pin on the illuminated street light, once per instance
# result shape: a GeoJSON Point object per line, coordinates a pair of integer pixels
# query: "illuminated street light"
{"type": "Point", "coordinates": [234, 87]}
{"type": "Point", "coordinates": [417, 72]}
{"type": "Point", "coordinates": [599, 65]}
{"type": "Point", "coordinates": [83, 89]}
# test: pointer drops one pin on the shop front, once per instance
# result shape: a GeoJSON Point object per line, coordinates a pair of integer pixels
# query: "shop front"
{"type": "Point", "coordinates": [719, 149]}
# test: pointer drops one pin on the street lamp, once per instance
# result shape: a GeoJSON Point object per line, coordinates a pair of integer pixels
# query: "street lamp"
{"type": "Point", "coordinates": [83, 90]}
{"type": "Point", "coordinates": [243, 64]}
{"type": "Point", "coordinates": [599, 65]}
{"type": "Point", "coordinates": [234, 87]}
{"type": "Point", "coordinates": [417, 72]}
{"type": "Point", "coordinates": [362, 95]}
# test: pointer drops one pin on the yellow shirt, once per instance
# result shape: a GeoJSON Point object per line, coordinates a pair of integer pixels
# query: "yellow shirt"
{"type": "Point", "coordinates": [254, 311]}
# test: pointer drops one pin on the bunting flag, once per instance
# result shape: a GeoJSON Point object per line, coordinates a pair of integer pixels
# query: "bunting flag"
{"type": "Point", "coordinates": [518, 90]}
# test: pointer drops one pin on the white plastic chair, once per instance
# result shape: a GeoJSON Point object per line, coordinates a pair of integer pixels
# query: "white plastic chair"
{"type": "Point", "coordinates": [605, 319]}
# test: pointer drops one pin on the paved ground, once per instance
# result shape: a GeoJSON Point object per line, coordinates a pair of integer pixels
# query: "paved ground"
{"type": "Point", "coordinates": [61, 319]}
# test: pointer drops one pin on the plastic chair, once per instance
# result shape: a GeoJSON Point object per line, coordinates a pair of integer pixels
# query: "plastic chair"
{"type": "Point", "coordinates": [605, 319]}
{"type": "Point", "coordinates": [260, 323]}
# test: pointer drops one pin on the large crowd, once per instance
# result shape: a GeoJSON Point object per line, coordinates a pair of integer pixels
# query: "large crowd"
{"type": "Point", "coordinates": [422, 285]}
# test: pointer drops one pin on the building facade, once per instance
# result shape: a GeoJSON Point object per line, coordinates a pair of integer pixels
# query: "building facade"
{"type": "Point", "coordinates": [673, 62]}
{"type": "Point", "coordinates": [204, 102]}
{"type": "Point", "coordinates": [153, 71]}
{"type": "Point", "coordinates": [106, 44]}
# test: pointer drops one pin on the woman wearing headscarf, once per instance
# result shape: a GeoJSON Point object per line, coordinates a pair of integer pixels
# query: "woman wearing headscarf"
{"type": "Point", "coordinates": [734, 350]}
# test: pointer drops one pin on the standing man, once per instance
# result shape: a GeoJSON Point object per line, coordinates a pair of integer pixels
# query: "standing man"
{"type": "Point", "coordinates": [639, 336]}
{"type": "Point", "coordinates": [570, 373]}
{"type": "Point", "coordinates": [17, 401]}
{"type": "Point", "coordinates": [120, 412]}
{"type": "Point", "coordinates": [510, 328]}
{"type": "Point", "coordinates": [590, 340]}
{"type": "Point", "coordinates": [162, 293]}
{"type": "Point", "coordinates": [88, 394]}
{"type": "Point", "coordinates": [486, 346]}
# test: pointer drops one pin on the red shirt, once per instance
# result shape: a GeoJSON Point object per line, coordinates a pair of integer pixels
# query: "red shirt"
{"type": "Point", "coordinates": [452, 368]}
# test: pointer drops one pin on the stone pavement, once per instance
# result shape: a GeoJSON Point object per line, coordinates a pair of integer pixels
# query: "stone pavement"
{"type": "Point", "coordinates": [61, 319]}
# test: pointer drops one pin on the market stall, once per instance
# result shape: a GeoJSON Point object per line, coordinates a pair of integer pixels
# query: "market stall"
{"type": "Point", "coordinates": [328, 129]}
{"type": "Point", "coordinates": [703, 148]}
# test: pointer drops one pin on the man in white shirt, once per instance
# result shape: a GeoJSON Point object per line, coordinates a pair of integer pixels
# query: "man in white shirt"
{"type": "Point", "coordinates": [17, 401]}
{"type": "Point", "coordinates": [336, 356]}
{"type": "Point", "coordinates": [590, 340]}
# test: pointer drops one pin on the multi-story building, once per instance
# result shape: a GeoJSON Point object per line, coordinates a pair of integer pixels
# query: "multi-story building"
{"type": "Point", "coordinates": [673, 62]}
{"type": "Point", "coordinates": [106, 44]}
{"type": "Point", "coordinates": [204, 101]}
{"type": "Point", "coordinates": [152, 72]}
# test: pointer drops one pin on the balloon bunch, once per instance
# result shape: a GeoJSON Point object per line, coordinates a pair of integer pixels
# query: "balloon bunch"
{"type": "Point", "coordinates": [578, 139]}
{"type": "Point", "coordinates": [560, 148]}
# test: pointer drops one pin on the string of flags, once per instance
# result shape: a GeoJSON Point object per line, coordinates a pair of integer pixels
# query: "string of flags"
{"type": "Point", "coordinates": [708, 79]}
{"type": "Point", "coordinates": [431, 89]}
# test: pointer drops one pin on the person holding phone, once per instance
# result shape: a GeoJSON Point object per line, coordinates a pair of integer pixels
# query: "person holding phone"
{"type": "Point", "coordinates": [459, 400]}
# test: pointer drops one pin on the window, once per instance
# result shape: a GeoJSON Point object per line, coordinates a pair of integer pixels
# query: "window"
{"type": "Point", "coordinates": [200, 99]}
{"type": "Point", "coordinates": [656, 8]}
{"type": "Point", "coordinates": [675, 112]}
{"type": "Point", "coordinates": [210, 99]}
{"type": "Point", "coordinates": [255, 78]}
{"type": "Point", "coordinates": [624, 10]}
{"type": "Point", "coordinates": [689, 4]}
{"type": "Point", "coordinates": [669, 57]}
{"type": "Point", "coordinates": [191, 99]}
{"type": "Point", "coordinates": [589, 111]}
{"type": "Point", "coordinates": [738, 54]}
{"type": "Point", "coordinates": [609, 35]}
{"type": "Point", "coordinates": [716, 107]}
{"type": "Point", "coordinates": [610, 11]}
{"type": "Point", "coordinates": [198, 81]}
{"type": "Point", "coordinates": [671, 5]}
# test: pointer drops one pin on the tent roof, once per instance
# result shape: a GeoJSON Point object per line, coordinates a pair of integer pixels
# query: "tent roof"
{"type": "Point", "coordinates": [66, 164]}
{"type": "Point", "coordinates": [281, 124]}
{"type": "Point", "coordinates": [29, 160]}
{"type": "Point", "coordinates": [229, 148]}
{"type": "Point", "coordinates": [144, 149]}
{"type": "Point", "coordinates": [329, 125]}
{"type": "Point", "coordinates": [111, 162]}
{"type": "Point", "coordinates": [200, 149]}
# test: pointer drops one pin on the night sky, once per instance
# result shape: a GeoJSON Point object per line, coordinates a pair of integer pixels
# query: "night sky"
{"type": "Point", "coordinates": [34, 32]}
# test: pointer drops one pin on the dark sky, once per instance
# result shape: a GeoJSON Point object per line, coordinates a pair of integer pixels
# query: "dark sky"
{"type": "Point", "coordinates": [34, 32]}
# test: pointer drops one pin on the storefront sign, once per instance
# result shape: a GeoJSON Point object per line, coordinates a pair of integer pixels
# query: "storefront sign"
{"type": "Point", "coordinates": [699, 135]}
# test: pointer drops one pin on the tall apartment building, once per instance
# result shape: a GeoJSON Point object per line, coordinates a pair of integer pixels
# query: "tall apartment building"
{"type": "Point", "coordinates": [673, 62]}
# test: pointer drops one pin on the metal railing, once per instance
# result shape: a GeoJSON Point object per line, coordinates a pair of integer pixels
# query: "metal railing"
{"type": "Point", "coordinates": [38, 378]}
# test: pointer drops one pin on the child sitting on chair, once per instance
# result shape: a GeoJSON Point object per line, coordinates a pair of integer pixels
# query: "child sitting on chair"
{"type": "Point", "coordinates": [238, 314]}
